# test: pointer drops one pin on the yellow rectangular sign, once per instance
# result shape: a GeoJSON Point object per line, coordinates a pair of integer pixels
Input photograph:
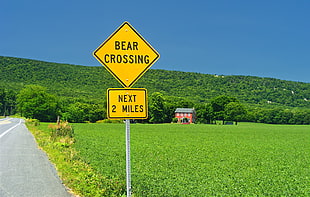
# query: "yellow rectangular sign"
{"type": "Point", "coordinates": [127, 103]}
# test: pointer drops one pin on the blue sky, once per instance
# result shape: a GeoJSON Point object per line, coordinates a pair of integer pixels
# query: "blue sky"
{"type": "Point", "coordinates": [266, 38]}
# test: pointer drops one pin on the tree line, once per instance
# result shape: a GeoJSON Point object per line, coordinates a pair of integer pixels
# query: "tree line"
{"type": "Point", "coordinates": [7, 102]}
{"type": "Point", "coordinates": [77, 93]}
{"type": "Point", "coordinates": [225, 108]}
{"type": "Point", "coordinates": [35, 102]}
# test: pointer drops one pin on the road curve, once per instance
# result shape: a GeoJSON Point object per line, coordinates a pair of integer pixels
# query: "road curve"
{"type": "Point", "coordinates": [25, 171]}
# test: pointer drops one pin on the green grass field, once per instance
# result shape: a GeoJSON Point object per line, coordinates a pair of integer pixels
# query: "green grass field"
{"type": "Point", "coordinates": [202, 160]}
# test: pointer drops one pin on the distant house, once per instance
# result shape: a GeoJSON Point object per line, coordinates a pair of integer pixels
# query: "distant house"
{"type": "Point", "coordinates": [185, 115]}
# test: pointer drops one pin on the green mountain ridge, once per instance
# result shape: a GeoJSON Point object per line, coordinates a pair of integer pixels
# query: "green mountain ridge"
{"type": "Point", "coordinates": [91, 83]}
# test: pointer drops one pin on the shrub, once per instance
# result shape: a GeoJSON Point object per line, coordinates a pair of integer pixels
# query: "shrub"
{"type": "Point", "coordinates": [174, 120]}
{"type": "Point", "coordinates": [33, 122]}
{"type": "Point", "coordinates": [61, 129]}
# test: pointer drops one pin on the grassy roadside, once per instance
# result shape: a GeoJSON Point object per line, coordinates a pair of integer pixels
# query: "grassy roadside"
{"type": "Point", "coordinates": [182, 160]}
{"type": "Point", "coordinates": [73, 171]}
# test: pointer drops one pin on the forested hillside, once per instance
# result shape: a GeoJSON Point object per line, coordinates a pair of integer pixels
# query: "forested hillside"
{"type": "Point", "coordinates": [61, 79]}
{"type": "Point", "coordinates": [253, 90]}
{"type": "Point", "coordinates": [89, 84]}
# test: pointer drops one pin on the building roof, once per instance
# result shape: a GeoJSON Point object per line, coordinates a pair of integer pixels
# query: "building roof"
{"type": "Point", "coordinates": [184, 110]}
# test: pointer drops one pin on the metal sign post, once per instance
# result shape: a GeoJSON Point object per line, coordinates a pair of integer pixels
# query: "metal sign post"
{"type": "Point", "coordinates": [128, 174]}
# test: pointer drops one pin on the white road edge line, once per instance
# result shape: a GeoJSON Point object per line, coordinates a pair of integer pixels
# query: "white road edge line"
{"type": "Point", "coordinates": [5, 132]}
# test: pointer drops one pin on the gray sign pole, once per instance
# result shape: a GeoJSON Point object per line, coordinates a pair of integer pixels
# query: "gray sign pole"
{"type": "Point", "coordinates": [128, 175]}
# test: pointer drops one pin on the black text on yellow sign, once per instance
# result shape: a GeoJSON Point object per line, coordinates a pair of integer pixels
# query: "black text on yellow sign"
{"type": "Point", "coordinates": [129, 103]}
{"type": "Point", "coordinates": [126, 55]}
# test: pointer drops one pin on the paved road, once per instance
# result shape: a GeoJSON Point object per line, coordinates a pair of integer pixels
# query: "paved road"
{"type": "Point", "coordinates": [24, 169]}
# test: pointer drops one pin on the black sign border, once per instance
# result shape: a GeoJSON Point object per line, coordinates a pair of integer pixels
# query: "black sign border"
{"type": "Point", "coordinates": [122, 89]}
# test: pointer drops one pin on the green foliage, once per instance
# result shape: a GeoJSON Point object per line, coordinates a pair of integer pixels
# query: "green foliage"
{"type": "Point", "coordinates": [247, 89]}
{"type": "Point", "coordinates": [90, 83]}
{"type": "Point", "coordinates": [81, 92]}
{"type": "Point", "coordinates": [7, 102]}
{"type": "Point", "coordinates": [82, 112]}
{"type": "Point", "coordinates": [34, 102]}
{"type": "Point", "coordinates": [61, 129]}
{"type": "Point", "coordinates": [156, 108]}
{"type": "Point", "coordinates": [63, 80]}
{"type": "Point", "coordinates": [33, 122]}
{"type": "Point", "coordinates": [218, 105]}
{"type": "Point", "coordinates": [234, 111]}
{"type": "Point", "coordinates": [194, 160]}
{"type": "Point", "coordinates": [280, 116]}
{"type": "Point", "coordinates": [204, 113]}
{"type": "Point", "coordinates": [174, 120]}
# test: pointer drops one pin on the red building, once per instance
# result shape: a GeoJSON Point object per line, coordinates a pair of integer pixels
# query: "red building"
{"type": "Point", "coordinates": [185, 115]}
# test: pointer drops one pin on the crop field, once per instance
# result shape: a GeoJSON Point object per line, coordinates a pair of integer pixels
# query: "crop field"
{"type": "Point", "coordinates": [202, 160]}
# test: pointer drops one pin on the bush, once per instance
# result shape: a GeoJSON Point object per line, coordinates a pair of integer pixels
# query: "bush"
{"type": "Point", "coordinates": [61, 129]}
{"type": "Point", "coordinates": [174, 120]}
{"type": "Point", "coordinates": [33, 122]}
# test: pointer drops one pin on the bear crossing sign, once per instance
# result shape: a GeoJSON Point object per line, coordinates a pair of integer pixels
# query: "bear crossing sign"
{"type": "Point", "coordinates": [126, 55]}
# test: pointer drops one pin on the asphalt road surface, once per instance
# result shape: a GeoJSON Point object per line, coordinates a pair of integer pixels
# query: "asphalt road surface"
{"type": "Point", "coordinates": [24, 169]}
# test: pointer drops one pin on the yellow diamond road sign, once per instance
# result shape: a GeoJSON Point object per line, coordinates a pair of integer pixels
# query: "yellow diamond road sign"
{"type": "Point", "coordinates": [126, 55]}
